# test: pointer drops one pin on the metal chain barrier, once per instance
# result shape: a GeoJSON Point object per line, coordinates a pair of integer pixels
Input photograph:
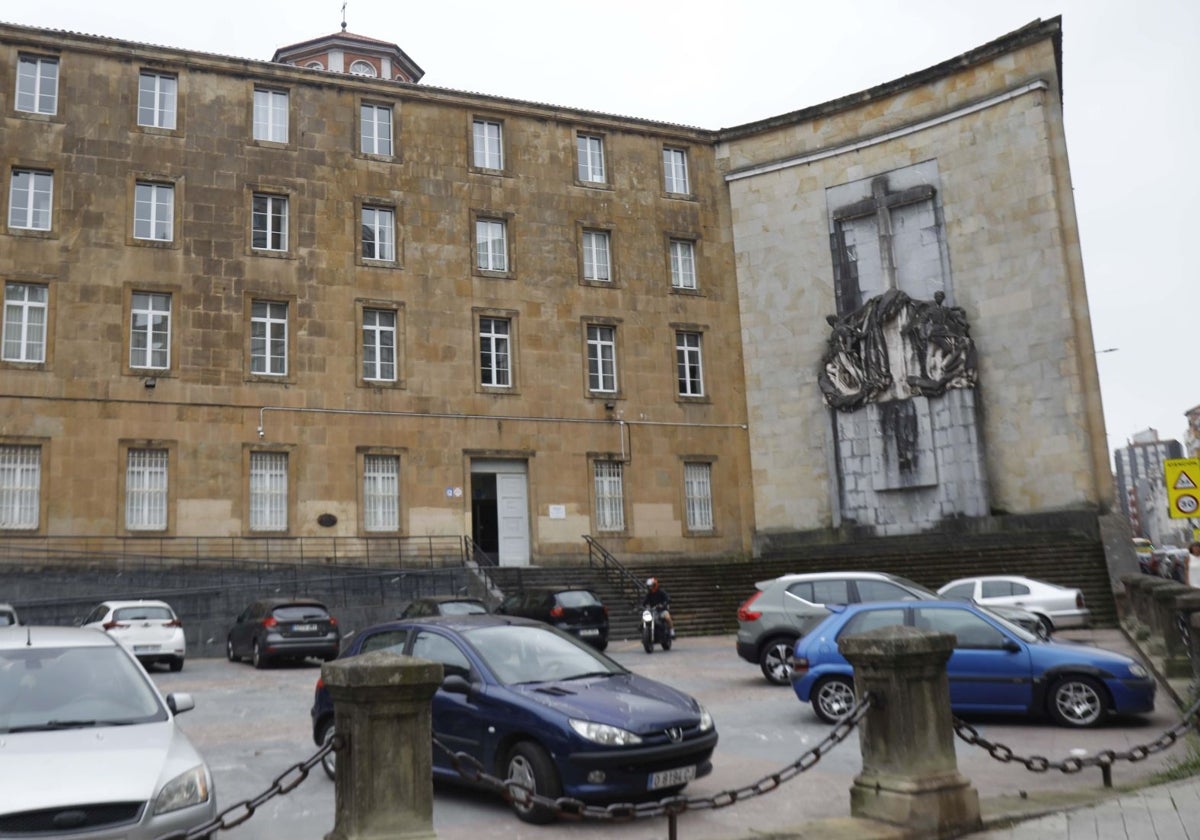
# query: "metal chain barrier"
{"type": "Point", "coordinates": [284, 783]}
{"type": "Point", "coordinates": [566, 807]}
{"type": "Point", "coordinates": [1103, 759]}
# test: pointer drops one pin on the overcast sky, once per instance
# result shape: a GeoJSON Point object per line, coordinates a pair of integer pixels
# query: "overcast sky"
{"type": "Point", "coordinates": [1130, 77]}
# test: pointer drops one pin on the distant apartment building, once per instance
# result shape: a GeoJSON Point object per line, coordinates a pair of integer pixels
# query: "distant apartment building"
{"type": "Point", "coordinates": [1191, 442]}
{"type": "Point", "coordinates": [1140, 480]}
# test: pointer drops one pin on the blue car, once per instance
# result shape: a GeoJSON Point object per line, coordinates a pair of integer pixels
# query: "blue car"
{"type": "Point", "coordinates": [538, 706]}
{"type": "Point", "coordinates": [996, 665]}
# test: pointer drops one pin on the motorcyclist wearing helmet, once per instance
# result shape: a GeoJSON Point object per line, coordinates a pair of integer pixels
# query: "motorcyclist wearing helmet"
{"type": "Point", "coordinates": [656, 596]}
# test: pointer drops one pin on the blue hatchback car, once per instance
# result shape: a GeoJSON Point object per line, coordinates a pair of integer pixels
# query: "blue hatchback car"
{"type": "Point", "coordinates": [538, 706]}
{"type": "Point", "coordinates": [996, 666]}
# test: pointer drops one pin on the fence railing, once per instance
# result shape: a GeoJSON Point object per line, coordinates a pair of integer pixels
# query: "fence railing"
{"type": "Point", "coordinates": [631, 587]}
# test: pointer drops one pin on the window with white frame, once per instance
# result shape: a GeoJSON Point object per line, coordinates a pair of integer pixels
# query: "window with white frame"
{"type": "Point", "coordinates": [602, 358]}
{"type": "Point", "coordinates": [590, 150]}
{"type": "Point", "coordinates": [157, 94]}
{"type": "Point", "coordinates": [379, 234]}
{"type": "Point", "coordinates": [362, 68]}
{"type": "Point", "coordinates": [268, 491]}
{"type": "Point", "coordinates": [491, 245]}
{"type": "Point", "coordinates": [675, 171]}
{"type": "Point", "coordinates": [30, 199]}
{"type": "Point", "coordinates": [610, 496]}
{"type": "Point", "coordinates": [379, 345]}
{"type": "Point", "coordinates": [153, 211]}
{"type": "Point", "coordinates": [375, 130]}
{"type": "Point", "coordinates": [688, 364]}
{"type": "Point", "coordinates": [488, 145]}
{"type": "Point", "coordinates": [150, 331]}
{"type": "Point", "coordinates": [596, 256]}
{"type": "Point", "coordinates": [268, 338]}
{"type": "Point", "coordinates": [271, 115]}
{"type": "Point", "coordinates": [697, 493]}
{"type": "Point", "coordinates": [683, 264]}
{"type": "Point", "coordinates": [146, 490]}
{"type": "Point", "coordinates": [37, 84]}
{"type": "Point", "coordinates": [381, 493]}
{"type": "Point", "coordinates": [495, 363]}
{"type": "Point", "coordinates": [20, 486]}
{"type": "Point", "coordinates": [269, 223]}
{"type": "Point", "coordinates": [24, 322]}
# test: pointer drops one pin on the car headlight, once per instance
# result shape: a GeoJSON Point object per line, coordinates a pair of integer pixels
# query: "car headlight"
{"type": "Point", "coordinates": [1138, 671]}
{"type": "Point", "coordinates": [602, 733]}
{"type": "Point", "coordinates": [706, 721]}
{"type": "Point", "coordinates": [189, 788]}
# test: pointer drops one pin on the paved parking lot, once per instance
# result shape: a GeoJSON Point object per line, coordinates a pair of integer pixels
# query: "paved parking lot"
{"type": "Point", "coordinates": [252, 725]}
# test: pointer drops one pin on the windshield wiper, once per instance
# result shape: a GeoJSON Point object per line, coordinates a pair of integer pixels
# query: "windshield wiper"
{"type": "Point", "coordinates": [587, 674]}
{"type": "Point", "coordinates": [54, 724]}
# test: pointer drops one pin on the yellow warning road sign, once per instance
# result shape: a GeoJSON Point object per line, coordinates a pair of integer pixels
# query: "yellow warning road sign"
{"type": "Point", "coordinates": [1182, 477]}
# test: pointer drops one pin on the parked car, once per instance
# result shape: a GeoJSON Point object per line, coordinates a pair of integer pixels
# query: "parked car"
{"type": "Point", "coordinates": [1055, 606]}
{"type": "Point", "coordinates": [444, 605]}
{"type": "Point", "coordinates": [150, 630]}
{"type": "Point", "coordinates": [8, 615]}
{"type": "Point", "coordinates": [574, 609]}
{"type": "Point", "coordinates": [536, 705]}
{"type": "Point", "coordinates": [275, 629]}
{"type": "Point", "coordinates": [996, 667]}
{"type": "Point", "coordinates": [90, 747]}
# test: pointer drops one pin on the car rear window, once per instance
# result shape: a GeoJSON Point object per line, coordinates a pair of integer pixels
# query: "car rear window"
{"type": "Point", "coordinates": [577, 598]}
{"type": "Point", "coordinates": [463, 608]}
{"type": "Point", "coordinates": [143, 614]}
{"type": "Point", "coordinates": [299, 612]}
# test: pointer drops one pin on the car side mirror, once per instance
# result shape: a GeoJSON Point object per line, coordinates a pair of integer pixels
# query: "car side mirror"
{"type": "Point", "coordinates": [1011, 646]}
{"type": "Point", "coordinates": [180, 702]}
{"type": "Point", "coordinates": [456, 684]}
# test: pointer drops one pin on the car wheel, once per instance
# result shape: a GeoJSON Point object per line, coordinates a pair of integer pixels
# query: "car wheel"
{"type": "Point", "coordinates": [775, 661]}
{"type": "Point", "coordinates": [602, 645]}
{"type": "Point", "coordinates": [229, 654]}
{"type": "Point", "coordinates": [1077, 701]}
{"type": "Point", "coordinates": [530, 766]}
{"type": "Point", "coordinates": [329, 762]}
{"type": "Point", "coordinates": [647, 641]}
{"type": "Point", "coordinates": [176, 663]}
{"type": "Point", "coordinates": [832, 697]}
{"type": "Point", "coordinates": [1046, 625]}
{"type": "Point", "coordinates": [256, 656]}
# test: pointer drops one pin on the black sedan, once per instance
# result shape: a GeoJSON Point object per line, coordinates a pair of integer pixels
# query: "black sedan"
{"type": "Point", "coordinates": [275, 629]}
{"type": "Point", "coordinates": [574, 609]}
{"type": "Point", "coordinates": [534, 705]}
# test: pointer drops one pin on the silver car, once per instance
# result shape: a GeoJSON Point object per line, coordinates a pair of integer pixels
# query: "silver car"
{"type": "Point", "coordinates": [88, 746]}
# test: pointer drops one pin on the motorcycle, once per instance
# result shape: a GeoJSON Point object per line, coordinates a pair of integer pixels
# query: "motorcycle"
{"type": "Point", "coordinates": [654, 629]}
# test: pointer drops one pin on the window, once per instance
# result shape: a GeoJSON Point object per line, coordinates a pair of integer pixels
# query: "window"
{"type": "Point", "coordinates": [37, 84]}
{"type": "Point", "coordinates": [268, 491]}
{"type": "Point", "coordinates": [156, 100]}
{"type": "Point", "coordinates": [683, 264]}
{"type": "Point", "coordinates": [688, 364]}
{"type": "Point", "coordinates": [379, 234]}
{"type": "Point", "coordinates": [268, 338]}
{"type": "Point", "coordinates": [153, 211]}
{"type": "Point", "coordinates": [970, 630]}
{"type": "Point", "coordinates": [697, 494]}
{"type": "Point", "coordinates": [491, 245]}
{"type": "Point", "coordinates": [30, 200]}
{"type": "Point", "coordinates": [495, 367]}
{"type": "Point", "coordinates": [868, 620]}
{"type": "Point", "coordinates": [150, 331]}
{"type": "Point", "coordinates": [829, 591]}
{"type": "Point", "coordinates": [146, 490]}
{"type": "Point", "coordinates": [315, 65]}
{"type": "Point", "coordinates": [379, 345]}
{"type": "Point", "coordinates": [24, 322]}
{"type": "Point", "coordinates": [602, 358]}
{"type": "Point", "coordinates": [20, 486]}
{"type": "Point", "coordinates": [610, 497]}
{"type": "Point", "coordinates": [675, 171]}
{"type": "Point", "coordinates": [381, 493]}
{"type": "Point", "coordinates": [269, 225]}
{"type": "Point", "coordinates": [488, 146]}
{"type": "Point", "coordinates": [375, 130]}
{"type": "Point", "coordinates": [363, 68]}
{"type": "Point", "coordinates": [271, 115]}
{"type": "Point", "coordinates": [596, 256]}
{"type": "Point", "coordinates": [591, 158]}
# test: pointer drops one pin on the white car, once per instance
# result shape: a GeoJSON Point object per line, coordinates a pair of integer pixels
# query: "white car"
{"type": "Point", "coordinates": [1055, 606]}
{"type": "Point", "coordinates": [89, 748]}
{"type": "Point", "coordinates": [149, 630]}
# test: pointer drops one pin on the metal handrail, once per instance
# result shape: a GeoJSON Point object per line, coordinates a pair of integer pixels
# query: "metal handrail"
{"type": "Point", "coordinates": [614, 571]}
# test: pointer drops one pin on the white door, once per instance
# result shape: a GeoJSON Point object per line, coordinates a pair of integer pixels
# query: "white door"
{"type": "Point", "coordinates": [512, 513]}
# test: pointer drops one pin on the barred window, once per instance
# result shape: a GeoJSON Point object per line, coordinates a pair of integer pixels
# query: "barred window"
{"type": "Point", "coordinates": [268, 491]}
{"type": "Point", "coordinates": [20, 486]}
{"type": "Point", "coordinates": [381, 493]}
{"type": "Point", "coordinates": [610, 496]}
{"type": "Point", "coordinates": [146, 490]}
{"type": "Point", "coordinates": [697, 491]}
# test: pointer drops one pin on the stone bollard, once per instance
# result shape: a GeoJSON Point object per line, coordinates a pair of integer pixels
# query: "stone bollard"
{"type": "Point", "coordinates": [910, 772]}
{"type": "Point", "coordinates": [1165, 631]}
{"type": "Point", "coordinates": [382, 704]}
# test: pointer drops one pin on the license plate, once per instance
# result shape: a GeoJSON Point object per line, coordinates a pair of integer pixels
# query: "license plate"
{"type": "Point", "coordinates": [671, 778]}
{"type": "Point", "coordinates": [145, 648]}
{"type": "Point", "coordinates": [304, 628]}
{"type": "Point", "coordinates": [591, 631]}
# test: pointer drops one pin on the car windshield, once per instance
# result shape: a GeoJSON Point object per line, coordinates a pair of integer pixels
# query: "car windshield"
{"type": "Point", "coordinates": [62, 688]}
{"type": "Point", "coordinates": [462, 608]}
{"type": "Point", "coordinates": [522, 654]}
